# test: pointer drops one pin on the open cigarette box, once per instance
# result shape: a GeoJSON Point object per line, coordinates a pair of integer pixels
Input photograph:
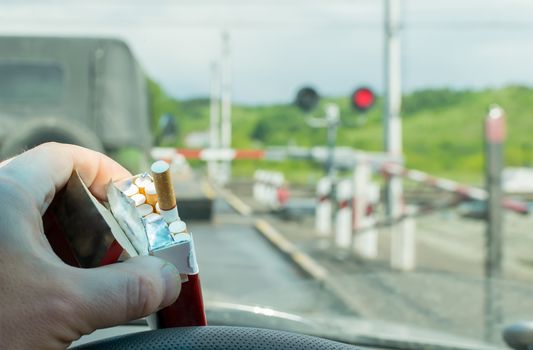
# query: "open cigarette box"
{"type": "Point", "coordinates": [142, 231]}
{"type": "Point", "coordinates": [85, 232]}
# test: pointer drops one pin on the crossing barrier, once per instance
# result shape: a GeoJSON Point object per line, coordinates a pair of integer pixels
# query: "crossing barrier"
{"type": "Point", "coordinates": [270, 189]}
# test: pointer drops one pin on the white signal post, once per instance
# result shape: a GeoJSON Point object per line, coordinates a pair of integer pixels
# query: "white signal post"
{"type": "Point", "coordinates": [392, 121]}
{"type": "Point", "coordinates": [214, 118]}
{"type": "Point", "coordinates": [495, 131]}
{"type": "Point", "coordinates": [225, 137]}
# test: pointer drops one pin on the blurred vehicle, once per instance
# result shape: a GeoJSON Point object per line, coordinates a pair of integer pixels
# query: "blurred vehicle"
{"type": "Point", "coordinates": [518, 180]}
{"type": "Point", "coordinates": [473, 209]}
{"type": "Point", "coordinates": [85, 91]}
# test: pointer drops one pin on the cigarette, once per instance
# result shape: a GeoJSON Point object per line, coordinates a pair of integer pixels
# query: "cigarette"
{"type": "Point", "coordinates": [165, 191]}
{"type": "Point", "coordinates": [153, 217]}
{"type": "Point", "coordinates": [177, 227]}
{"type": "Point", "coordinates": [132, 190]}
{"type": "Point", "coordinates": [181, 237]}
{"type": "Point", "coordinates": [145, 209]}
{"type": "Point", "coordinates": [151, 194]}
{"type": "Point", "coordinates": [138, 199]}
{"type": "Point", "coordinates": [141, 182]}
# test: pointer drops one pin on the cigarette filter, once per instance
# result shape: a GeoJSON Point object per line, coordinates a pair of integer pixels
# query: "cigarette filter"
{"type": "Point", "coordinates": [131, 190]}
{"type": "Point", "coordinates": [163, 185]}
{"type": "Point", "coordinates": [165, 191]}
{"type": "Point", "coordinates": [138, 199]}
{"type": "Point", "coordinates": [153, 216]}
{"type": "Point", "coordinates": [142, 181]}
{"type": "Point", "coordinates": [177, 227]}
{"type": "Point", "coordinates": [151, 194]}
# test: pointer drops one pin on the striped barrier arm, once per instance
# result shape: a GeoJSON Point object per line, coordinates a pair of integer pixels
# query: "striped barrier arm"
{"type": "Point", "coordinates": [451, 186]}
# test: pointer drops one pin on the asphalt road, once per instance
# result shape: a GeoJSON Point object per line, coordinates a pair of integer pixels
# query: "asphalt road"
{"type": "Point", "coordinates": [447, 289]}
{"type": "Point", "coordinates": [238, 265]}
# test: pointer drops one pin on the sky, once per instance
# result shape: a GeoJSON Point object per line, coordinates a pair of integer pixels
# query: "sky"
{"type": "Point", "coordinates": [277, 46]}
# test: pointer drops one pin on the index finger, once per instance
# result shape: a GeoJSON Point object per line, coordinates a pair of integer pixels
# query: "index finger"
{"type": "Point", "coordinates": [45, 169]}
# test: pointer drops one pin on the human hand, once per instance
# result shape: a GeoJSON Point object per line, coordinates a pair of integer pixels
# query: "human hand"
{"type": "Point", "coordinates": [44, 303]}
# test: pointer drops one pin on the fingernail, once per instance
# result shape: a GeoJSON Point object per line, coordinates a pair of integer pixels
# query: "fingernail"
{"type": "Point", "coordinates": [172, 284]}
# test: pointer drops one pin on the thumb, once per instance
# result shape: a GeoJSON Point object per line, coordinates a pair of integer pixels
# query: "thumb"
{"type": "Point", "coordinates": [118, 293]}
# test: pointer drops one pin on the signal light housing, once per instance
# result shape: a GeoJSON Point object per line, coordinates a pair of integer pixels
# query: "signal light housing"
{"type": "Point", "coordinates": [307, 99]}
{"type": "Point", "coordinates": [363, 99]}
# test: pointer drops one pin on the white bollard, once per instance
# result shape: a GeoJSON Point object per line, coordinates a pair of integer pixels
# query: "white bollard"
{"type": "Point", "coordinates": [343, 220]}
{"type": "Point", "coordinates": [257, 185]}
{"type": "Point", "coordinates": [261, 187]}
{"type": "Point", "coordinates": [366, 241]}
{"type": "Point", "coordinates": [403, 242]}
{"type": "Point", "coordinates": [212, 169]}
{"type": "Point", "coordinates": [323, 211]}
{"type": "Point", "coordinates": [266, 187]}
{"type": "Point", "coordinates": [361, 181]}
{"type": "Point", "coordinates": [271, 197]}
{"type": "Point", "coordinates": [277, 181]}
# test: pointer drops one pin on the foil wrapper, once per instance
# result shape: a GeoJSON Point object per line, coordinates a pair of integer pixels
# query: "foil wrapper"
{"type": "Point", "coordinates": [146, 235]}
{"type": "Point", "coordinates": [158, 233]}
{"type": "Point", "coordinates": [125, 213]}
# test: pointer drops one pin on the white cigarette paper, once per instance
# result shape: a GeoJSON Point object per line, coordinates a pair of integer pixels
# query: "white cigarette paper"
{"type": "Point", "coordinates": [145, 209]}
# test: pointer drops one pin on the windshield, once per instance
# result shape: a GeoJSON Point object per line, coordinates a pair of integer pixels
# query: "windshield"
{"type": "Point", "coordinates": [347, 168]}
{"type": "Point", "coordinates": [30, 83]}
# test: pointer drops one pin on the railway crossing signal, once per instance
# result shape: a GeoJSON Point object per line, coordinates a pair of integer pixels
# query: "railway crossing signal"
{"type": "Point", "coordinates": [307, 99]}
{"type": "Point", "coordinates": [363, 99]}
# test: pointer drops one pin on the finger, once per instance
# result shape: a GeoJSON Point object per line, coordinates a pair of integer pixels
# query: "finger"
{"type": "Point", "coordinates": [118, 293]}
{"type": "Point", "coordinates": [45, 169]}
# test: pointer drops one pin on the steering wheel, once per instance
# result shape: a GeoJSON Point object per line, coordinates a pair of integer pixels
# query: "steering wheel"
{"type": "Point", "coordinates": [215, 338]}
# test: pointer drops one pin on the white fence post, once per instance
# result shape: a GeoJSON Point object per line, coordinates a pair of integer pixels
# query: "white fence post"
{"type": "Point", "coordinates": [343, 222]}
{"type": "Point", "coordinates": [262, 191]}
{"type": "Point", "coordinates": [277, 181]}
{"type": "Point", "coordinates": [256, 189]}
{"type": "Point", "coordinates": [366, 241]}
{"type": "Point", "coordinates": [362, 243]}
{"type": "Point", "coordinates": [403, 242]}
{"type": "Point", "coordinates": [323, 212]}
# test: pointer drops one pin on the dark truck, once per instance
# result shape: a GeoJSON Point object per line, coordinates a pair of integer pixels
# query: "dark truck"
{"type": "Point", "coordinates": [85, 91]}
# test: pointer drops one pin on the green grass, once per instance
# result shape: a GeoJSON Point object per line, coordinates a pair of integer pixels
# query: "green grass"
{"type": "Point", "coordinates": [442, 129]}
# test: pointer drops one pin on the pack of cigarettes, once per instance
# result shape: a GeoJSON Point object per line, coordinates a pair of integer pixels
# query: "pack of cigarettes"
{"type": "Point", "coordinates": [140, 217]}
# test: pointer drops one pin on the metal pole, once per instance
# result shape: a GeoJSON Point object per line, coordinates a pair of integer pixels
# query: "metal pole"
{"type": "Point", "coordinates": [214, 118]}
{"type": "Point", "coordinates": [494, 138]}
{"type": "Point", "coordinates": [332, 140]}
{"type": "Point", "coordinates": [226, 102]}
{"type": "Point", "coordinates": [214, 112]}
{"type": "Point", "coordinates": [332, 120]}
{"type": "Point", "coordinates": [393, 95]}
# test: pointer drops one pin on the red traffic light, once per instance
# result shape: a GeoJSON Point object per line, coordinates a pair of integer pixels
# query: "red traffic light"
{"type": "Point", "coordinates": [363, 98]}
